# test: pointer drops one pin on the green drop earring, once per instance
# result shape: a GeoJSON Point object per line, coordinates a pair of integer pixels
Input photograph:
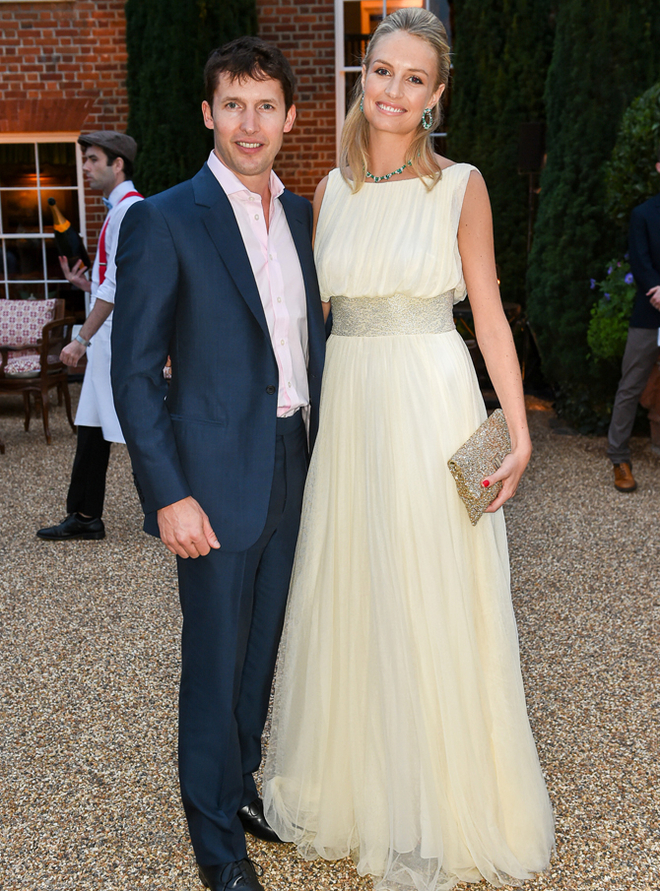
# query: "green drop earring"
{"type": "Point", "coordinates": [362, 103]}
{"type": "Point", "coordinates": [427, 118]}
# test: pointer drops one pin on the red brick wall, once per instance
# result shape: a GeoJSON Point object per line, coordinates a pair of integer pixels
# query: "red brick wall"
{"type": "Point", "coordinates": [305, 32]}
{"type": "Point", "coordinates": [64, 69]}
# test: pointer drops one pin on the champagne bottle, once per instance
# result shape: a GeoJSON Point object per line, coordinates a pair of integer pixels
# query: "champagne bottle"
{"type": "Point", "coordinates": [69, 243]}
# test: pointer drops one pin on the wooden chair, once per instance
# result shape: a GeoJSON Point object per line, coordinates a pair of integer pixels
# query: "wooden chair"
{"type": "Point", "coordinates": [29, 367]}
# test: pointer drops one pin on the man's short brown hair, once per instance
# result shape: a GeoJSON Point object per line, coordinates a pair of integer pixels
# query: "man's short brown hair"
{"type": "Point", "coordinates": [249, 58]}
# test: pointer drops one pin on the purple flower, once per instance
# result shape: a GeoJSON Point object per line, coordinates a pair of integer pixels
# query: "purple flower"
{"type": "Point", "coordinates": [609, 270]}
{"type": "Point", "coordinates": [629, 279]}
{"type": "Point", "coordinates": [607, 296]}
{"type": "Point", "coordinates": [618, 264]}
{"type": "Point", "coordinates": [592, 283]}
{"type": "Point", "coordinates": [626, 256]}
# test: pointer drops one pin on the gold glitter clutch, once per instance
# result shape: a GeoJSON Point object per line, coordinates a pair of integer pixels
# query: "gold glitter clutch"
{"type": "Point", "coordinates": [476, 459]}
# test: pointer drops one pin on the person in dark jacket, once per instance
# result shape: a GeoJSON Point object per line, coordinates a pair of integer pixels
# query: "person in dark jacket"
{"type": "Point", "coordinates": [224, 270]}
{"type": "Point", "coordinates": [641, 352]}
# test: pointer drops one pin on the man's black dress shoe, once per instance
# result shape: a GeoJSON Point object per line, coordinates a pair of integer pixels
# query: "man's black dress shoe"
{"type": "Point", "coordinates": [253, 820]}
{"type": "Point", "coordinates": [237, 876]}
{"type": "Point", "coordinates": [74, 527]}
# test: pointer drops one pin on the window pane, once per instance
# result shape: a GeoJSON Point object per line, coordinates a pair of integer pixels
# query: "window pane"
{"type": "Point", "coordinates": [20, 212]}
{"type": "Point", "coordinates": [57, 164]}
{"type": "Point", "coordinates": [29, 175]}
{"type": "Point", "coordinates": [27, 292]}
{"type": "Point", "coordinates": [355, 41]}
{"type": "Point", "coordinates": [24, 258]}
{"type": "Point", "coordinates": [17, 165]}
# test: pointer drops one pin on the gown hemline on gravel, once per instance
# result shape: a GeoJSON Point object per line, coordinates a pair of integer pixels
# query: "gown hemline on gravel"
{"type": "Point", "coordinates": [400, 734]}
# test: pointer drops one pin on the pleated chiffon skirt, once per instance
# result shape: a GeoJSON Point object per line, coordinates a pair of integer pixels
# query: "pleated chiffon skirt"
{"type": "Point", "coordinates": [400, 734]}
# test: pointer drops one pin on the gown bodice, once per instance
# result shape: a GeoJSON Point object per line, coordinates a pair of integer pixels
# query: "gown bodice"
{"type": "Point", "coordinates": [394, 238]}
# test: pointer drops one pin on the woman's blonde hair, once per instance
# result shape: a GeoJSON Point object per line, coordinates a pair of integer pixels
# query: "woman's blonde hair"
{"type": "Point", "coordinates": [354, 154]}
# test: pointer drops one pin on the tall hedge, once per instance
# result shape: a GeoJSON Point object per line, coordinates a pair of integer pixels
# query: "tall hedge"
{"type": "Point", "coordinates": [605, 54]}
{"type": "Point", "coordinates": [168, 42]}
{"type": "Point", "coordinates": [501, 55]}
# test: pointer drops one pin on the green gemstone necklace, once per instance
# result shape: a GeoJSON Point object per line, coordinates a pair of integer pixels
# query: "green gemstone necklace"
{"type": "Point", "coordinates": [378, 179]}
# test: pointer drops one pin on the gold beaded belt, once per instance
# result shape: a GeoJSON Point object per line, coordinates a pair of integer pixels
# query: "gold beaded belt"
{"type": "Point", "coordinates": [392, 316]}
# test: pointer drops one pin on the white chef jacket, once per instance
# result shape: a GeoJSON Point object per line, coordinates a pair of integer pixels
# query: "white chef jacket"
{"type": "Point", "coordinates": [96, 407]}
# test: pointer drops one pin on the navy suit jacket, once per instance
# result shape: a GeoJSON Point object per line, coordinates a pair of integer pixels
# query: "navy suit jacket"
{"type": "Point", "coordinates": [185, 288]}
{"type": "Point", "coordinates": [644, 249]}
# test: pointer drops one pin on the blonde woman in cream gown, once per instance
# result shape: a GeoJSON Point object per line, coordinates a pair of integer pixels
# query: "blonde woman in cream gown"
{"type": "Point", "coordinates": [400, 735]}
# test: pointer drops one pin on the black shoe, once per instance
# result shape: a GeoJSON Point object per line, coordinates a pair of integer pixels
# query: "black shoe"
{"type": "Point", "coordinates": [230, 876]}
{"type": "Point", "coordinates": [74, 527]}
{"type": "Point", "coordinates": [253, 820]}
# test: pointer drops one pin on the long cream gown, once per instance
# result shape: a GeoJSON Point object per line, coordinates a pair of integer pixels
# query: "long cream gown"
{"type": "Point", "coordinates": [400, 734]}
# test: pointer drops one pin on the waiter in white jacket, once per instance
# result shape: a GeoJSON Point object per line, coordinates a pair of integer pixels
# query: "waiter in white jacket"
{"type": "Point", "coordinates": [108, 166]}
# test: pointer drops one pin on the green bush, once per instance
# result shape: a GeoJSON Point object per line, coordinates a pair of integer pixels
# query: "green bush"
{"type": "Point", "coordinates": [630, 175]}
{"type": "Point", "coordinates": [608, 328]}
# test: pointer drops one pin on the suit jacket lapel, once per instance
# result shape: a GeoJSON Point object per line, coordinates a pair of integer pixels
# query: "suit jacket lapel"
{"type": "Point", "coordinates": [223, 230]}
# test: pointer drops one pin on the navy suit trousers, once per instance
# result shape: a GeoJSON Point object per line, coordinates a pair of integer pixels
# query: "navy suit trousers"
{"type": "Point", "coordinates": [233, 607]}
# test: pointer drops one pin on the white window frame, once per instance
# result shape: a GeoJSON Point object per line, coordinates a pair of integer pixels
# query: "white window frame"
{"type": "Point", "coordinates": [341, 69]}
{"type": "Point", "coordinates": [38, 139]}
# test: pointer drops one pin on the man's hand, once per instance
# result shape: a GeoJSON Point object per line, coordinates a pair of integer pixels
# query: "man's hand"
{"type": "Point", "coordinates": [72, 353]}
{"type": "Point", "coordinates": [76, 275]}
{"type": "Point", "coordinates": [654, 294]}
{"type": "Point", "coordinates": [185, 529]}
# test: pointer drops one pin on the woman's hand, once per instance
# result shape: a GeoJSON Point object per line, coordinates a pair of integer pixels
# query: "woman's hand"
{"type": "Point", "coordinates": [509, 472]}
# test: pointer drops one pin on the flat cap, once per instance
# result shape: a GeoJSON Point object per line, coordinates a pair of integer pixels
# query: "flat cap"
{"type": "Point", "coordinates": [117, 143]}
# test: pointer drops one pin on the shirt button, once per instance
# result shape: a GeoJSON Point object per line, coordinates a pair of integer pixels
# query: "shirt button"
{"type": "Point", "coordinates": [279, 299]}
{"type": "Point", "coordinates": [256, 216]}
{"type": "Point", "coordinates": [282, 342]}
{"type": "Point", "coordinates": [270, 390]}
{"type": "Point", "coordinates": [288, 383]}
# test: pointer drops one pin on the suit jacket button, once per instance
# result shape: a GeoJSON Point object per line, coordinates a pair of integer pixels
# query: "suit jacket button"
{"type": "Point", "coordinates": [270, 390]}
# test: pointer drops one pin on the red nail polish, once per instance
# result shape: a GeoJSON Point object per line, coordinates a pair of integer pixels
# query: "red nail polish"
{"type": "Point", "coordinates": [485, 484]}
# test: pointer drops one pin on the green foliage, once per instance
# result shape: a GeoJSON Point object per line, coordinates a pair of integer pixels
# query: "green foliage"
{"type": "Point", "coordinates": [168, 42]}
{"type": "Point", "coordinates": [630, 175]}
{"type": "Point", "coordinates": [501, 56]}
{"type": "Point", "coordinates": [608, 328]}
{"type": "Point", "coordinates": [605, 54]}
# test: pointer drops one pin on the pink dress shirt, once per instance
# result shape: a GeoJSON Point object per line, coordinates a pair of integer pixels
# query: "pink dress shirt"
{"type": "Point", "coordinates": [276, 268]}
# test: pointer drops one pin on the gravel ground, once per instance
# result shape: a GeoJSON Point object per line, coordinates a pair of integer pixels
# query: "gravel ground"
{"type": "Point", "coordinates": [89, 665]}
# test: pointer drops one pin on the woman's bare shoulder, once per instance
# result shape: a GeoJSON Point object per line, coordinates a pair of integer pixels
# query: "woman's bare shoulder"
{"type": "Point", "coordinates": [446, 163]}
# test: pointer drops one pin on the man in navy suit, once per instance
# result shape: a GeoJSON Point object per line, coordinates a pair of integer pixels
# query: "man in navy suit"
{"type": "Point", "coordinates": [218, 273]}
{"type": "Point", "coordinates": [641, 351]}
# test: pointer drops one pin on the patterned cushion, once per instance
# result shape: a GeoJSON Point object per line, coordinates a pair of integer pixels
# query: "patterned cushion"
{"type": "Point", "coordinates": [19, 354]}
{"type": "Point", "coordinates": [22, 321]}
{"type": "Point", "coordinates": [28, 366]}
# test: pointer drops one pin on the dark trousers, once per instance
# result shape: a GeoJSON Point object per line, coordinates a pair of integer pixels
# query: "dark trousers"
{"type": "Point", "coordinates": [640, 356]}
{"type": "Point", "coordinates": [233, 609]}
{"type": "Point", "coordinates": [87, 487]}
